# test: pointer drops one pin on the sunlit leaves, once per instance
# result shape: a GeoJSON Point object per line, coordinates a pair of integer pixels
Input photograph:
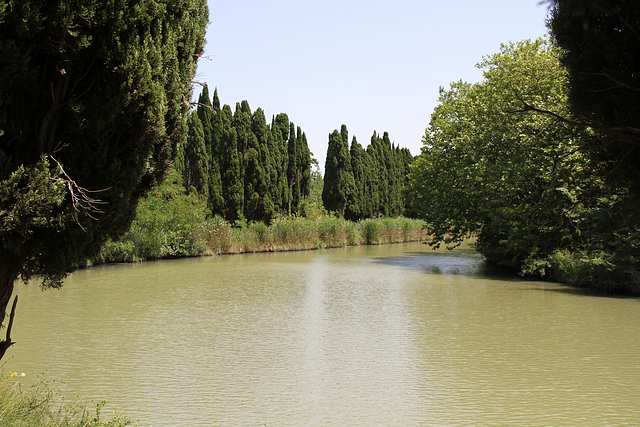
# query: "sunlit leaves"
{"type": "Point", "coordinates": [495, 154]}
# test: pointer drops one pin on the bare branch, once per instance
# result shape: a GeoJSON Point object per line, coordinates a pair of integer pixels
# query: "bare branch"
{"type": "Point", "coordinates": [80, 198]}
{"type": "Point", "coordinates": [528, 107]}
{"type": "Point", "coordinates": [200, 104]}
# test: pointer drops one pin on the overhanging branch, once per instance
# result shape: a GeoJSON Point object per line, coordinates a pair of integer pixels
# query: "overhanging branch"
{"type": "Point", "coordinates": [80, 198]}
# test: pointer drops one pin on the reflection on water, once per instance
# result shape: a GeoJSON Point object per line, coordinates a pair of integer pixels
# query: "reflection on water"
{"type": "Point", "coordinates": [390, 335]}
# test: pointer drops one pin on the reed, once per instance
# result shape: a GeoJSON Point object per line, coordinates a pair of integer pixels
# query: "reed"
{"type": "Point", "coordinates": [43, 405]}
{"type": "Point", "coordinates": [217, 236]}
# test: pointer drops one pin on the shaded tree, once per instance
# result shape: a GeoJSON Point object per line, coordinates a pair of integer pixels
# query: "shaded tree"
{"type": "Point", "coordinates": [600, 47]}
{"type": "Point", "coordinates": [93, 102]}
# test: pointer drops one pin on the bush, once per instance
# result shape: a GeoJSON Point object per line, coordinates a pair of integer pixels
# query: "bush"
{"type": "Point", "coordinates": [596, 270]}
{"type": "Point", "coordinates": [169, 223]}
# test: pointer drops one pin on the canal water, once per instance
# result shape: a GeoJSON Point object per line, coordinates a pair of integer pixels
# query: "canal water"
{"type": "Point", "coordinates": [379, 335]}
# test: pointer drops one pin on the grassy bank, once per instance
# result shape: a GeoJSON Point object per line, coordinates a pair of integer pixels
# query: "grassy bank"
{"type": "Point", "coordinates": [302, 233]}
{"type": "Point", "coordinates": [170, 224]}
{"type": "Point", "coordinates": [43, 405]}
{"type": "Point", "coordinates": [181, 237]}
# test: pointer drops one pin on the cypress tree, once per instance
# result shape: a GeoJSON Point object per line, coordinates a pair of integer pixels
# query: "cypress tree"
{"type": "Point", "coordinates": [91, 107]}
{"type": "Point", "coordinates": [265, 210]}
{"type": "Point", "coordinates": [216, 201]}
{"type": "Point", "coordinates": [338, 180]}
{"type": "Point", "coordinates": [232, 187]}
{"type": "Point", "coordinates": [293, 176]}
{"type": "Point", "coordinates": [380, 186]}
{"type": "Point", "coordinates": [281, 129]}
{"type": "Point", "coordinates": [195, 171]}
{"type": "Point", "coordinates": [253, 179]}
{"type": "Point", "coordinates": [205, 114]}
{"type": "Point", "coordinates": [356, 204]}
{"type": "Point", "coordinates": [304, 162]}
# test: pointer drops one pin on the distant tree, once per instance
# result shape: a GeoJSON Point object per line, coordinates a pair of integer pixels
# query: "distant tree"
{"type": "Point", "coordinates": [304, 164]}
{"type": "Point", "coordinates": [205, 114]}
{"type": "Point", "coordinates": [293, 174]}
{"type": "Point", "coordinates": [338, 175]}
{"type": "Point", "coordinates": [312, 206]}
{"type": "Point", "coordinates": [93, 102]}
{"type": "Point", "coordinates": [265, 210]}
{"type": "Point", "coordinates": [356, 205]}
{"type": "Point", "coordinates": [280, 128]}
{"type": "Point", "coordinates": [196, 159]}
{"type": "Point", "coordinates": [216, 200]}
{"type": "Point", "coordinates": [232, 177]}
{"type": "Point", "coordinates": [212, 129]}
{"type": "Point", "coordinates": [380, 192]}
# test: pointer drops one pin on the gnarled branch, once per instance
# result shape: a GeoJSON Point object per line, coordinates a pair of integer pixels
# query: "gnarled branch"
{"type": "Point", "coordinates": [80, 198]}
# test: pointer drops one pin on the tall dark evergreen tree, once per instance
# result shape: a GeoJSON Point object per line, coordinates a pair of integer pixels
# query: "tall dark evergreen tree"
{"type": "Point", "coordinates": [338, 176]}
{"type": "Point", "coordinates": [304, 163]}
{"type": "Point", "coordinates": [356, 204]}
{"type": "Point", "coordinates": [232, 184]}
{"type": "Point", "coordinates": [372, 183]}
{"type": "Point", "coordinates": [600, 45]}
{"type": "Point", "coordinates": [196, 160]}
{"type": "Point", "coordinates": [205, 114]}
{"type": "Point", "coordinates": [216, 201]}
{"type": "Point", "coordinates": [280, 128]}
{"type": "Point", "coordinates": [267, 170]}
{"type": "Point", "coordinates": [92, 109]}
{"type": "Point", "coordinates": [265, 210]}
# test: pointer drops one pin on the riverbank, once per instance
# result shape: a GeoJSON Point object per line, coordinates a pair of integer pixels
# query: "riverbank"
{"type": "Point", "coordinates": [176, 237]}
{"type": "Point", "coordinates": [42, 404]}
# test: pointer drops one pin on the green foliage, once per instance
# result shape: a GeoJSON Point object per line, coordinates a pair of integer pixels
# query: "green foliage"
{"type": "Point", "coordinates": [92, 107]}
{"type": "Point", "coordinates": [256, 172]}
{"type": "Point", "coordinates": [42, 404]}
{"type": "Point", "coordinates": [501, 161]}
{"type": "Point", "coordinates": [311, 206]}
{"type": "Point", "coordinates": [169, 223]}
{"type": "Point", "coordinates": [338, 175]}
{"type": "Point", "coordinates": [364, 184]}
{"type": "Point", "coordinates": [600, 49]}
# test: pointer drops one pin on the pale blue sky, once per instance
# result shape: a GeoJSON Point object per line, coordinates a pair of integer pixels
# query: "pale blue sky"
{"type": "Point", "coordinates": [372, 65]}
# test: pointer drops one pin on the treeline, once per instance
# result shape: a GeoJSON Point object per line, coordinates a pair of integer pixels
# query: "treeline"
{"type": "Point", "coordinates": [361, 183]}
{"type": "Point", "coordinates": [249, 170]}
{"type": "Point", "coordinates": [242, 185]}
{"type": "Point", "coordinates": [171, 224]}
{"type": "Point", "coordinates": [246, 169]}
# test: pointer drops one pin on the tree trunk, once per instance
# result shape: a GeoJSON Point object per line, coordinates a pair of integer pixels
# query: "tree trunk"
{"type": "Point", "coordinates": [7, 280]}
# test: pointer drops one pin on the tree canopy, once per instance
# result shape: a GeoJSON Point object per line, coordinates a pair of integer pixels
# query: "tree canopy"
{"type": "Point", "coordinates": [361, 183]}
{"type": "Point", "coordinates": [255, 171]}
{"type": "Point", "coordinates": [600, 48]}
{"type": "Point", "coordinates": [94, 98]}
{"type": "Point", "coordinates": [501, 161]}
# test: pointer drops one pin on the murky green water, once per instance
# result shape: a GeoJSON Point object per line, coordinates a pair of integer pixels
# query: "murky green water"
{"type": "Point", "coordinates": [389, 335]}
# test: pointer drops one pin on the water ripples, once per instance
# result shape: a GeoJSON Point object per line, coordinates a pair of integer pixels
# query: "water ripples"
{"type": "Point", "coordinates": [394, 335]}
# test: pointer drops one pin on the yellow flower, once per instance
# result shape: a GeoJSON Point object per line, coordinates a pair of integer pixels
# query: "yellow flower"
{"type": "Point", "coordinates": [13, 374]}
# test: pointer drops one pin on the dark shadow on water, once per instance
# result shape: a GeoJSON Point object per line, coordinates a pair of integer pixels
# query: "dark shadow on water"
{"type": "Point", "coordinates": [468, 262]}
{"type": "Point", "coordinates": [464, 262]}
{"type": "Point", "coordinates": [587, 292]}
